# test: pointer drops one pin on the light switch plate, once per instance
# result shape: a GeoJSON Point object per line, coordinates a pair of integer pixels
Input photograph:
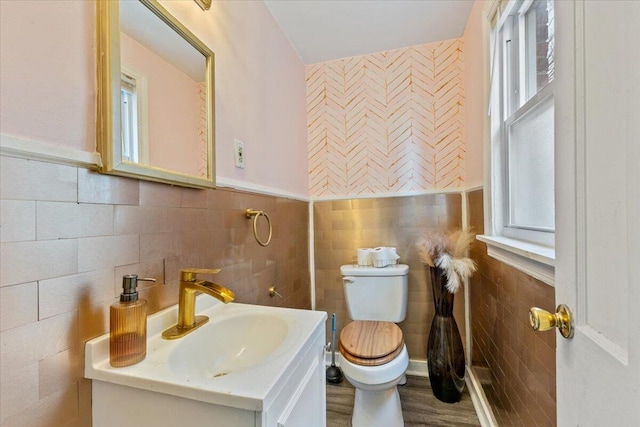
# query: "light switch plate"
{"type": "Point", "coordinates": [239, 153]}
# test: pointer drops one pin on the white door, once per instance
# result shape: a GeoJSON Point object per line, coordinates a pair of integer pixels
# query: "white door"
{"type": "Point", "coordinates": [598, 205]}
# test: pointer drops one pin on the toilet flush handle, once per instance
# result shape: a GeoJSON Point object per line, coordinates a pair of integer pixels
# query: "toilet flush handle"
{"type": "Point", "coordinates": [348, 279]}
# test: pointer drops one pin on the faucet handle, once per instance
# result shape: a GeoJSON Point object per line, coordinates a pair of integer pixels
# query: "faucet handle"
{"type": "Point", "coordinates": [189, 274]}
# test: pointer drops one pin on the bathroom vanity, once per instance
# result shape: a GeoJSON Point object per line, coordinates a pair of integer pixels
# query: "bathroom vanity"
{"type": "Point", "coordinates": [248, 366]}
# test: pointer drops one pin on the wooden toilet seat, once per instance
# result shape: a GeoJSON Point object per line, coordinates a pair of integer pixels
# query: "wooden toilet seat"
{"type": "Point", "coordinates": [370, 343]}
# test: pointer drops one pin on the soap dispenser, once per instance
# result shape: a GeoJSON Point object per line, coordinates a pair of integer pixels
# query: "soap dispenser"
{"type": "Point", "coordinates": [128, 336]}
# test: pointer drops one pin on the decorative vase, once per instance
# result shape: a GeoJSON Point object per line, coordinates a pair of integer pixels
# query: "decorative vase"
{"type": "Point", "coordinates": [445, 354]}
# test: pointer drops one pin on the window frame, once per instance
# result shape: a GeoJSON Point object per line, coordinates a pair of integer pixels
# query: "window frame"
{"type": "Point", "coordinates": [141, 114]}
{"type": "Point", "coordinates": [536, 234]}
{"type": "Point", "coordinates": [129, 118]}
{"type": "Point", "coordinates": [526, 248]}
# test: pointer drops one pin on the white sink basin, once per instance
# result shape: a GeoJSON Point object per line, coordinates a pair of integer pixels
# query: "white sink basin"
{"type": "Point", "coordinates": [228, 345]}
{"type": "Point", "coordinates": [239, 359]}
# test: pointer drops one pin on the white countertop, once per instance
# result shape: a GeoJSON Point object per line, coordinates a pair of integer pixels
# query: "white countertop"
{"type": "Point", "coordinates": [251, 388]}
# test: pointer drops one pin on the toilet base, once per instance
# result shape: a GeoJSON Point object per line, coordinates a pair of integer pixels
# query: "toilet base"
{"type": "Point", "coordinates": [377, 409]}
{"type": "Point", "coordinates": [403, 380]}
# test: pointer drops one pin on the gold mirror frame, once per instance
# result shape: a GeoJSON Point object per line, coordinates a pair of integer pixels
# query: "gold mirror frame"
{"type": "Point", "coordinates": [108, 131]}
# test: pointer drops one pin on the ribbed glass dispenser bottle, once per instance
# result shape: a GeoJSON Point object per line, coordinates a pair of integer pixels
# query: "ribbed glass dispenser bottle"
{"type": "Point", "coordinates": [128, 337]}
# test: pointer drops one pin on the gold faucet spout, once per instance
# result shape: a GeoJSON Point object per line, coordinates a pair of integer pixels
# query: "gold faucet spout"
{"type": "Point", "coordinates": [219, 292]}
{"type": "Point", "coordinates": [189, 286]}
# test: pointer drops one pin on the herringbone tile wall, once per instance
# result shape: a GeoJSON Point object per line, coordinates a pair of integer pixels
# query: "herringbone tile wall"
{"type": "Point", "coordinates": [387, 122]}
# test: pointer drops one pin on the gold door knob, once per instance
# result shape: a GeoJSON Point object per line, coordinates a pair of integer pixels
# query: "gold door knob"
{"type": "Point", "coordinates": [542, 320]}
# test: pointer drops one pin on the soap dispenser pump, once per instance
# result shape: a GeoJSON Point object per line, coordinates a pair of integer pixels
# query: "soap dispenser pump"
{"type": "Point", "coordinates": [128, 319]}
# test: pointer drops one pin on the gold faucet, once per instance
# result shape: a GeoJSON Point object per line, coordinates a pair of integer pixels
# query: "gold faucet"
{"type": "Point", "coordinates": [189, 285]}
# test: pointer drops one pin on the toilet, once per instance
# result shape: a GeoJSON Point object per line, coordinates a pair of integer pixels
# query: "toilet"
{"type": "Point", "coordinates": [374, 356]}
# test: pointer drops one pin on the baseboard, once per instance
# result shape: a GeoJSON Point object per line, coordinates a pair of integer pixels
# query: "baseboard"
{"type": "Point", "coordinates": [418, 368]}
{"type": "Point", "coordinates": [479, 399]}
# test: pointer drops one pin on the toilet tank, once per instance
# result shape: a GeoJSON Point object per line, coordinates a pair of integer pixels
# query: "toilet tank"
{"type": "Point", "coordinates": [376, 293]}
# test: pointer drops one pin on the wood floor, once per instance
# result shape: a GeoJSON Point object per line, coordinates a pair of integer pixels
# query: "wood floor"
{"type": "Point", "coordinates": [419, 406]}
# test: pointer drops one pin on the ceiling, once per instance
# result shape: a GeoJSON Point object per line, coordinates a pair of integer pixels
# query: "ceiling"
{"type": "Point", "coordinates": [322, 30]}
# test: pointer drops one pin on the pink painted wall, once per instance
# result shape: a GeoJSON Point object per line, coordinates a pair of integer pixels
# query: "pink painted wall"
{"type": "Point", "coordinates": [47, 72]}
{"type": "Point", "coordinates": [474, 86]}
{"type": "Point", "coordinates": [47, 77]}
{"type": "Point", "coordinates": [173, 108]}
{"type": "Point", "coordinates": [260, 93]}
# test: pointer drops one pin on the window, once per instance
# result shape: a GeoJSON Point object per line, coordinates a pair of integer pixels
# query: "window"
{"type": "Point", "coordinates": [134, 117]}
{"type": "Point", "coordinates": [129, 118]}
{"type": "Point", "coordinates": [522, 129]}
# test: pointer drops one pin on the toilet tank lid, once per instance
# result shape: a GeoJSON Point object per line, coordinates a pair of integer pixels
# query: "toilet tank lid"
{"type": "Point", "coordinates": [358, 270]}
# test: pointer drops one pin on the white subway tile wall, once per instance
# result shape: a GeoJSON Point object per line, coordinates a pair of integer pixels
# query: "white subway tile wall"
{"type": "Point", "coordinates": [18, 220]}
{"type": "Point", "coordinates": [65, 220]}
{"type": "Point", "coordinates": [35, 260]}
{"type": "Point", "coordinates": [68, 235]}
{"type": "Point", "coordinates": [18, 305]}
{"type": "Point", "coordinates": [103, 252]}
{"type": "Point", "coordinates": [30, 180]}
{"type": "Point", "coordinates": [66, 293]}
{"type": "Point", "coordinates": [96, 188]}
{"type": "Point", "coordinates": [154, 194]}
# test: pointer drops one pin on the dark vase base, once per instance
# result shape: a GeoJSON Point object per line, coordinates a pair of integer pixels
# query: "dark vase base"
{"type": "Point", "coordinates": [446, 392]}
{"type": "Point", "coordinates": [445, 354]}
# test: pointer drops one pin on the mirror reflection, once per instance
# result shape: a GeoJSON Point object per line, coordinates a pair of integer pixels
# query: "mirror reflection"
{"type": "Point", "coordinates": [160, 78]}
{"type": "Point", "coordinates": [163, 94]}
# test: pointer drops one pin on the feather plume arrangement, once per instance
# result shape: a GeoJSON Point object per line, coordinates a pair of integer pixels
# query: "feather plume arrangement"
{"type": "Point", "coordinates": [448, 252]}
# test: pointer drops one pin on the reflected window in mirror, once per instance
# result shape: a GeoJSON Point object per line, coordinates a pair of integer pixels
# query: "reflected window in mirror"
{"type": "Point", "coordinates": [129, 118]}
{"type": "Point", "coordinates": [134, 117]}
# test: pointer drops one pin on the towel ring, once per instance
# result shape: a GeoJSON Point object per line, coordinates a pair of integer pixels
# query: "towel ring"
{"type": "Point", "coordinates": [256, 214]}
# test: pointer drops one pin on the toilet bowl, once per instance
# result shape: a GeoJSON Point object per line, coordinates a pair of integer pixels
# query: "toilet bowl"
{"type": "Point", "coordinates": [374, 359]}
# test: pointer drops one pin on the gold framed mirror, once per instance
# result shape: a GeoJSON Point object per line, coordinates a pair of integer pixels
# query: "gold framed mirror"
{"type": "Point", "coordinates": [155, 116]}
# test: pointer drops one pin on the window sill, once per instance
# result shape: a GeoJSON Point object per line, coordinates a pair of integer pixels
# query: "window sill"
{"type": "Point", "coordinates": [535, 260]}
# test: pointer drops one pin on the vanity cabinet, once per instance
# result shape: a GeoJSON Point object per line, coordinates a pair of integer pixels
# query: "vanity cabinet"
{"type": "Point", "coordinates": [302, 402]}
{"type": "Point", "coordinates": [287, 390]}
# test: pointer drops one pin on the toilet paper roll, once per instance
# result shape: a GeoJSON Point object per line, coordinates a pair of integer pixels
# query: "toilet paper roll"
{"type": "Point", "coordinates": [380, 257]}
{"type": "Point", "coordinates": [393, 255]}
{"type": "Point", "coordinates": [364, 256]}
